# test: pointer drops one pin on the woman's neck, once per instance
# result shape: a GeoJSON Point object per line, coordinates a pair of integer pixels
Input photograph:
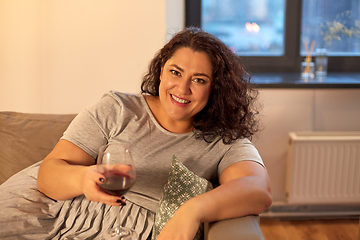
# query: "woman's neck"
{"type": "Point", "coordinates": [165, 122]}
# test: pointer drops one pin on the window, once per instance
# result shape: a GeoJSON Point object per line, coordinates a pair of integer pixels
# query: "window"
{"type": "Point", "coordinates": [270, 36]}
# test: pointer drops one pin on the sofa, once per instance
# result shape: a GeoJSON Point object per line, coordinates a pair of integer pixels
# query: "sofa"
{"type": "Point", "coordinates": [25, 139]}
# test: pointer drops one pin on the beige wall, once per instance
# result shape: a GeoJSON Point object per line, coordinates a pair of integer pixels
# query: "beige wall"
{"type": "Point", "coordinates": [57, 56]}
{"type": "Point", "coordinates": [287, 110]}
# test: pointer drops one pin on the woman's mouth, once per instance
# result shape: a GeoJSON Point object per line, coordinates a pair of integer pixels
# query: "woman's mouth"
{"type": "Point", "coordinates": [179, 100]}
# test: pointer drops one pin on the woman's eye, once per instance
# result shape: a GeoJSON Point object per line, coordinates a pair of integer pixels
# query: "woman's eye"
{"type": "Point", "coordinates": [199, 80]}
{"type": "Point", "coordinates": [175, 72]}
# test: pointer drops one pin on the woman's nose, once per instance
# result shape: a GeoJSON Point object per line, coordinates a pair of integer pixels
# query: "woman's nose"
{"type": "Point", "coordinates": [184, 86]}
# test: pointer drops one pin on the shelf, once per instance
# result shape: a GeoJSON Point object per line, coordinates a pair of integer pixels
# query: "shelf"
{"type": "Point", "coordinates": [293, 80]}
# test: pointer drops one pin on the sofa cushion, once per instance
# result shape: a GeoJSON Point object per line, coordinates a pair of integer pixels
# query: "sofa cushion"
{"type": "Point", "coordinates": [27, 138]}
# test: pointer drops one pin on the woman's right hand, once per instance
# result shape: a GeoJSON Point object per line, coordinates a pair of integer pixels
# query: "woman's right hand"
{"type": "Point", "coordinates": [68, 171]}
{"type": "Point", "coordinates": [91, 179]}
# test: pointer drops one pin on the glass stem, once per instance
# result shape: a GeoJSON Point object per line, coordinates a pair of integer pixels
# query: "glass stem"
{"type": "Point", "coordinates": [119, 219]}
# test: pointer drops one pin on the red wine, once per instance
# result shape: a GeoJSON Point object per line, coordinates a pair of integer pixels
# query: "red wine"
{"type": "Point", "coordinates": [116, 183]}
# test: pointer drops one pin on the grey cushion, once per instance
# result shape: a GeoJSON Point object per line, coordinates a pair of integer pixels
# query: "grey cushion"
{"type": "Point", "coordinates": [27, 138]}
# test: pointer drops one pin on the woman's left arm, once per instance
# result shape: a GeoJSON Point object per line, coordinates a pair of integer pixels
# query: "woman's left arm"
{"type": "Point", "coordinates": [246, 186]}
{"type": "Point", "coordinates": [244, 190]}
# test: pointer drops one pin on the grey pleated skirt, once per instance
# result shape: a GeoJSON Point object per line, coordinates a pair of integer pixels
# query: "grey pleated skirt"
{"type": "Point", "coordinates": [84, 219]}
{"type": "Point", "coordinates": [26, 213]}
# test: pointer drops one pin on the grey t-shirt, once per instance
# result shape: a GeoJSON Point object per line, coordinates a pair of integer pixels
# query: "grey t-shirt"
{"type": "Point", "coordinates": [127, 118]}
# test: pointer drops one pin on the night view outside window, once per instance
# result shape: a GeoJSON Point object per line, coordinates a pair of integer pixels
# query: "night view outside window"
{"type": "Point", "coordinates": [248, 27]}
{"type": "Point", "coordinates": [257, 27]}
{"type": "Point", "coordinates": [333, 25]}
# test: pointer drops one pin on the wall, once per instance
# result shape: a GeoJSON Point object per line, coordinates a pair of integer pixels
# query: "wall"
{"type": "Point", "coordinates": [57, 56]}
{"type": "Point", "coordinates": [286, 110]}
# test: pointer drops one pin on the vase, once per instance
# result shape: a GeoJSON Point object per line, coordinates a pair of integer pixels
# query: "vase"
{"type": "Point", "coordinates": [321, 62]}
{"type": "Point", "coordinates": [307, 70]}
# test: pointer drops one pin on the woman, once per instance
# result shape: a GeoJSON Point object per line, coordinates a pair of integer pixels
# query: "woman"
{"type": "Point", "coordinates": [196, 103]}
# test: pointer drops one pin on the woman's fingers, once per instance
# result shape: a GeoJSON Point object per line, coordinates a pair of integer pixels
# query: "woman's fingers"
{"type": "Point", "coordinates": [92, 191]}
{"type": "Point", "coordinates": [109, 199]}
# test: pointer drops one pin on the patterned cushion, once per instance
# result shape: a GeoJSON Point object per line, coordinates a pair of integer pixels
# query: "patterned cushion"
{"type": "Point", "coordinates": [181, 186]}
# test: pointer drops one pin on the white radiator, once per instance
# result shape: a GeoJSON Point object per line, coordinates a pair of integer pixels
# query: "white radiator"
{"type": "Point", "coordinates": [323, 168]}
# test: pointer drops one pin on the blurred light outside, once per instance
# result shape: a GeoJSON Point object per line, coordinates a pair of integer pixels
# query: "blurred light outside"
{"type": "Point", "coordinates": [248, 27]}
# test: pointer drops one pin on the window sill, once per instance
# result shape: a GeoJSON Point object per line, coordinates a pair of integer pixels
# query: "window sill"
{"type": "Point", "coordinates": [293, 80]}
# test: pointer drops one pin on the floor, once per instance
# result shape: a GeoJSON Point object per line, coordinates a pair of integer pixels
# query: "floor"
{"type": "Point", "coordinates": [341, 229]}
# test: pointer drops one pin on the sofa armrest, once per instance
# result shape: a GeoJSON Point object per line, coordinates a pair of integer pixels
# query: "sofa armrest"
{"type": "Point", "coordinates": [242, 228]}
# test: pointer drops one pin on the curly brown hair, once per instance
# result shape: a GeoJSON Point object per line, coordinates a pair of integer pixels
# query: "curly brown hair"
{"type": "Point", "coordinates": [230, 112]}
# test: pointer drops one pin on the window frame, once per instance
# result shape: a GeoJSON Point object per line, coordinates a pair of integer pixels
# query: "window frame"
{"type": "Point", "coordinates": [291, 60]}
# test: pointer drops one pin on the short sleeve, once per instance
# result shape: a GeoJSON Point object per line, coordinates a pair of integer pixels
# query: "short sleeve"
{"type": "Point", "coordinates": [92, 127]}
{"type": "Point", "coordinates": [241, 150]}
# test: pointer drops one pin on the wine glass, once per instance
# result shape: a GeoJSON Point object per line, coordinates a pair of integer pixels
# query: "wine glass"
{"type": "Point", "coordinates": [115, 163]}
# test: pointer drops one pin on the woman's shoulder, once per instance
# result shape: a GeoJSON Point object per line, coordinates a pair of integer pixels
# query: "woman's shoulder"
{"type": "Point", "coordinates": [119, 100]}
{"type": "Point", "coordinates": [124, 98]}
{"type": "Point", "coordinates": [113, 104]}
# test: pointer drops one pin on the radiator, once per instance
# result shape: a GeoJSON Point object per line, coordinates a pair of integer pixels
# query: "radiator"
{"type": "Point", "coordinates": [323, 168]}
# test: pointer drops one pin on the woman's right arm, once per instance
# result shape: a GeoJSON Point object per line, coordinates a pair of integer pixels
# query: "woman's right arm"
{"type": "Point", "coordinates": [68, 171]}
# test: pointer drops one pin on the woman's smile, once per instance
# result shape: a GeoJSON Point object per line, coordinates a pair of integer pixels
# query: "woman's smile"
{"type": "Point", "coordinates": [179, 101]}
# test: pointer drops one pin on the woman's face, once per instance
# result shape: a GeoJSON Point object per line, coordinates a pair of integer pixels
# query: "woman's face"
{"type": "Point", "coordinates": [185, 84]}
